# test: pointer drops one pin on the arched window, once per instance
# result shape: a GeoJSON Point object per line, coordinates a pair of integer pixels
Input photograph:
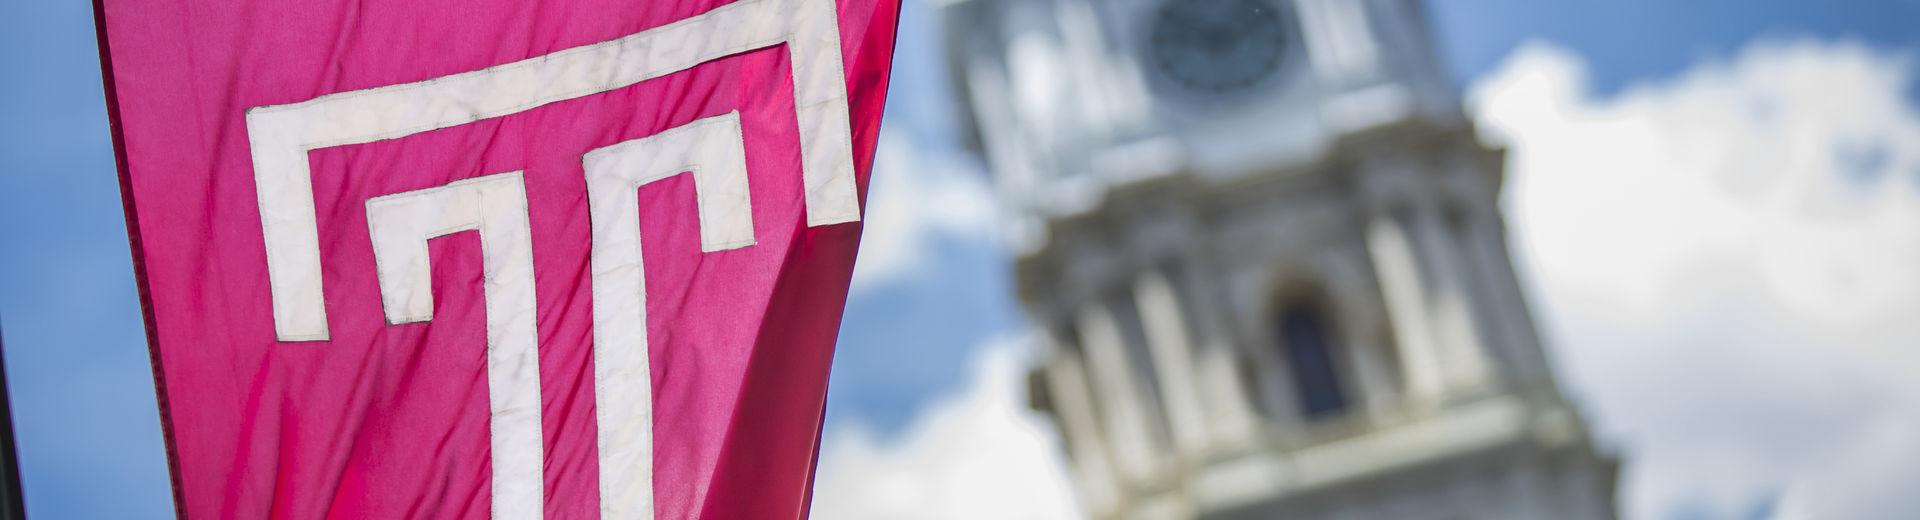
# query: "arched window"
{"type": "Point", "coordinates": [1309, 347]}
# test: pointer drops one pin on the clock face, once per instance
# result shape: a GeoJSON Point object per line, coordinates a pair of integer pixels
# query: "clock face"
{"type": "Point", "coordinates": [1217, 45]}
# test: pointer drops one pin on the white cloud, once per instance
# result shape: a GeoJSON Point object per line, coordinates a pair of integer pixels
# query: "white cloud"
{"type": "Point", "coordinates": [918, 197]}
{"type": "Point", "coordinates": [1728, 265]}
{"type": "Point", "coordinates": [980, 454]}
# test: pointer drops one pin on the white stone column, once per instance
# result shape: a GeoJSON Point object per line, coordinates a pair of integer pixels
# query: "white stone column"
{"type": "Point", "coordinates": [1463, 354]}
{"type": "Point", "coordinates": [1127, 417]}
{"type": "Point", "coordinates": [1073, 405]}
{"type": "Point", "coordinates": [1168, 343]}
{"type": "Point", "coordinates": [1228, 405]}
{"type": "Point", "coordinates": [1405, 297]}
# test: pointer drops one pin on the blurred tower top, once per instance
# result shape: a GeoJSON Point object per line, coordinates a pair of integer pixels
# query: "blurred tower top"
{"type": "Point", "coordinates": [1267, 258]}
{"type": "Point", "coordinates": [1067, 97]}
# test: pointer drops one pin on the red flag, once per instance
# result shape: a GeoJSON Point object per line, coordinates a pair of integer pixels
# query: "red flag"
{"type": "Point", "coordinates": [470, 258]}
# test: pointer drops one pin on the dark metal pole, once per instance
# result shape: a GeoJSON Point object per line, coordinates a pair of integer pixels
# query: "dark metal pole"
{"type": "Point", "coordinates": [13, 504]}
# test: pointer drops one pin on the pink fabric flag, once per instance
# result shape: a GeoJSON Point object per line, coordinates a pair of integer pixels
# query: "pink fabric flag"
{"type": "Point", "coordinates": [490, 258]}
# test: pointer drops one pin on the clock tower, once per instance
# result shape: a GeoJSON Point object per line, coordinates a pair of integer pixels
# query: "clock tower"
{"type": "Point", "coordinates": [1266, 256]}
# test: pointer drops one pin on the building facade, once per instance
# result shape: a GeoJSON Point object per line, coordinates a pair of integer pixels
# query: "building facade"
{"type": "Point", "coordinates": [1267, 254]}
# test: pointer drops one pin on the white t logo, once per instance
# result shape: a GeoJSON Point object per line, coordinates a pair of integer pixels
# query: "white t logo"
{"type": "Point", "coordinates": [713, 150]}
{"type": "Point", "coordinates": [281, 135]}
{"type": "Point", "coordinates": [496, 206]}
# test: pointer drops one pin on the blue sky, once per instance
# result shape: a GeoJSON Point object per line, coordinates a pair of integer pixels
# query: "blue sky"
{"type": "Point", "coordinates": [76, 352]}
{"type": "Point", "coordinates": [1630, 41]}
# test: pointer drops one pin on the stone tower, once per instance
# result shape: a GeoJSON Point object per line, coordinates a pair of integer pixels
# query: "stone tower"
{"type": "Point", "coordinates": [1267, 253]}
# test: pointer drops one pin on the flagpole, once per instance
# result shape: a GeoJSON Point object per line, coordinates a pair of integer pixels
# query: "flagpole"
{"type": "Point", "coordinates": [12, 502]}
